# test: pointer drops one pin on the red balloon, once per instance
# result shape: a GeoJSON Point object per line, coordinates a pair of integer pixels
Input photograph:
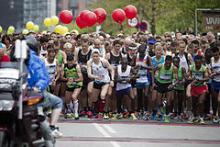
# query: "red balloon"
{"type": "Point", "coordinates": [101, 15]}
{"type": "Point", "coordinates": [81, 24]}
{"type": "Point", "coordinates": [130, 11]}
{"type": "Point", "coordinates": [83, 14]}
{"type": "Point", "coordinates": [90, 19]}
{"type": "Point", "coordinates": [66, 16]}
{"type": "Point", "coordinates": [118, 15]}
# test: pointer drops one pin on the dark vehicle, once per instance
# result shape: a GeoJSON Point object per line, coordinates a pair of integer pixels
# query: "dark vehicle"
{"type": "Point", "coordinates": [33, 129]}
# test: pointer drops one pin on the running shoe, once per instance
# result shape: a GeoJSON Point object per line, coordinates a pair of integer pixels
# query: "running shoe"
{"type": "Point", "coordinates": [190, 119]}
{"type": "Point", "coordinates": [133, 116]}
{"type": "Point", "coordinates": [76, 116]}
{"type": "Point", "coordinates": [114, 116]}
{"type": "Point", "coordinates": [166, 118]}
{"type": "Point", "coordinates": [82, 113]}
{"type": "Point", "coordinates": [89, 114]}
{"type": "Point", "coordinates": [99, 116]}
{"type": "Point", "coordinates": [69, 115]}
{"type": "Point", "coordinates": [119, 116]}
{"type": "Point", "coordinates": [208, 117]}
{"type": "Point", "coordinates": [56, 133]}
{"type": "Point", "coordinates": [201, 121]}
{"type": "Point", "coordinates": [146, 116]}
{"type": "Point", "coordinates": [160, 116]}
{"type": "Point", "coordinates": [140, 115]}
{"type": "Point", "coordinates": [172, 115]}
{"type": "Point", "coordinates": [110, 114]}
{"type": "Point", "coordinates": [126, 115]}
{"type": "Point", "coordinates": [106, 116]}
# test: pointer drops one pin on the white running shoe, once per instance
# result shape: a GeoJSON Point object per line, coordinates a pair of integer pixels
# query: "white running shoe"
{"type": "Point", "coordinates": [56, 133]}
{"type": "Point", "coordinates": [76, 116]}
{"type": "Point", "coordinates": [201, 121]}
{"type": "Point", "coordinates": [191, 119]}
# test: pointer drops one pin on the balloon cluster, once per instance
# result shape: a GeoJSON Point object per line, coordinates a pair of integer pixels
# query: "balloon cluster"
{"type": "Point", "coordinates": [119, 15]}
{"type": "Point", "coordinates": [48, 22]}
{"type": "Point", "coordinates": [11, 30]}
{"type": "Point", "coordinates": [88, 18]}
{"type": "Point", "coordinates": [85, 19]}
{"type": "Point", "coordinates": [30, 26]}
{"type": "Point", "coordinates": [61, 29]}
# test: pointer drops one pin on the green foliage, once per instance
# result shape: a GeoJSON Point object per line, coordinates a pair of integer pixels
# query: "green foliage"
{"type": "Point", "coordinates": [170, 15]}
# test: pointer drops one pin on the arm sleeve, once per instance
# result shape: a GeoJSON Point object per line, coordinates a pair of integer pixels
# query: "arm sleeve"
{"type": "Point", "coordinates": [43, 76]}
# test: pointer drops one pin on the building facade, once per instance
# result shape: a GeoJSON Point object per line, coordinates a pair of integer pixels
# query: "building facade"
{"type": "Point", "coordinates": [11, 13]}
{"type": "Point", "coordinates": [37, 10]}
{"type": "Point", "coordinates": [19, 12]}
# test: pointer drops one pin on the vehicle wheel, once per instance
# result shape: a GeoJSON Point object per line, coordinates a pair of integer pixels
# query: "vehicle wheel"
{"type": "Point", "coordinates": [4, 140]}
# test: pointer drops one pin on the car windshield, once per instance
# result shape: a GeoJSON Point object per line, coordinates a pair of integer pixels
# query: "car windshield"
{"type": "Point", "coordinates": [14, 65]}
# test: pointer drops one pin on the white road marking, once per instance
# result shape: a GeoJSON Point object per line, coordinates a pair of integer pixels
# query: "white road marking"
{"type": "Point", "coordinates": [108, 128]}
{"type": "Point", "coordinates": [105, 134]}
{"type": "Point", "coordinates": [101, 130]}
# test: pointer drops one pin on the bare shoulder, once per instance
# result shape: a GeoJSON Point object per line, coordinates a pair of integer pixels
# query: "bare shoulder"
{"type": "Point", "coordinates": [107, 56]}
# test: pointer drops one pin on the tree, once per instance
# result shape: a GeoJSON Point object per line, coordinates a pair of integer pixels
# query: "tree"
{"type": "Point", "coordinates": [163, 15]}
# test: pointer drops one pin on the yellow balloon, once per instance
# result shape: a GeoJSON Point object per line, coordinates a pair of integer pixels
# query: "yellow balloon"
{"type": "Point", "coordinates": [11, 30]}
{"type": "Point", "coordinates": [47, 22]}
{"type": "Point", "coordinates": [54, 20]}
{"type": "Point", "coordinates": [64, 30]}
{"type": "Point", "coordinates": [58, 29]}
{"type": "Point", "coordinates": [25, 31]}
{"type": "Point", "coordinates": [36, 28]}
{"type": "Point", "coordinates": [30, 25]}
{"type": "Point", "coordinates": [1, 29]}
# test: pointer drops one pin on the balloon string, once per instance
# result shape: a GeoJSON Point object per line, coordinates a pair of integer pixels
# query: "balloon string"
{"type": "Point", "coordinates": [121, 28]}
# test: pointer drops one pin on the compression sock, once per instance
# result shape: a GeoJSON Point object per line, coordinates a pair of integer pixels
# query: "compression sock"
{"type": "Point", "coordinates": [76, 106]}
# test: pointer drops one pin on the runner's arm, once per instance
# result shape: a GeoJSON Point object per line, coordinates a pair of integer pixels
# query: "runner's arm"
{"type": "Point", "coordinates": [64, 57]}
{"type": "Point", "coordinates": [79, 74]}
{"type": "Point", "coordinates": [89, 71]}
{"type": "Point", "coordinates": [110, 68]}
{"type": "Point", "coordinates": [57, 73]}
{"type": "Point", "coordinates": [62, 75]}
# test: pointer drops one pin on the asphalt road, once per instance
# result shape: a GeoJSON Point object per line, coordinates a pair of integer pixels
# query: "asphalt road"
{"type": "Point", "coordinates": [136, 134]}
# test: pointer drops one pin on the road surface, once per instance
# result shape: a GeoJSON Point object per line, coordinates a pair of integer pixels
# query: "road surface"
{"type": "Point", "coordinates": [136, 134]}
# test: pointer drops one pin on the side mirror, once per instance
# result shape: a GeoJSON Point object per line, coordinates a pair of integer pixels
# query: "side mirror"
{"type": "Point", "coordinates": [21, 49]}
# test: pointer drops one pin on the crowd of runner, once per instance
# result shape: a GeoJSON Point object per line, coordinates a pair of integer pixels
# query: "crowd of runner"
{"type": "Point", "coordinates": [141, 76]}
